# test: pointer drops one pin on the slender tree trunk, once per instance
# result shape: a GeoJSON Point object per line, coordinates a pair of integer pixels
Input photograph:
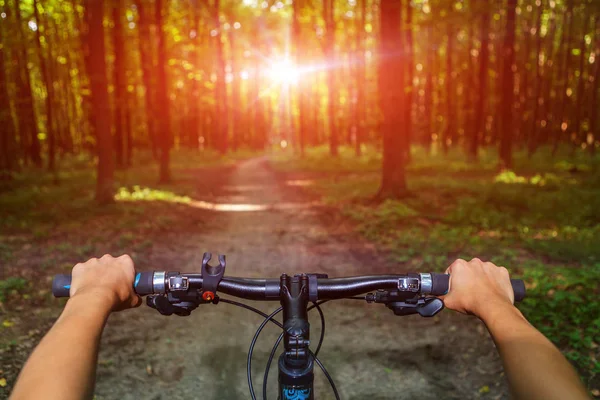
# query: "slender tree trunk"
{"type": "Point", "coordinates": [193, 133]}
{"type": "Point", "coordinates": [546, 112]}
{"type": "Point", "coordinates": [145, 48]}
{"type": "Point", "coordinates": [162, 97]}
{"type": "Point", "coordinates": [508, 84]}
{"type": "Point", "coordinates": [8, 160]}
{"type": "Point", "coordinates": [27, 118]}
{"type": "Point", "coordinates": [100, 103]}
{"type": "Point", "coordinates": [593, 135]}
{"type": "Point", "coordinates": [299, 53]}
{"type": "Point", "coordinates": [524, 95]}
{"type": "Point", "coordinates": [120, 102]}
{"type": "Point", "coordinates": [328, 16]}
{"type": "Point", "coordinates": [49, 100]}
{"type": "Point", "coordinates": [237, 122]}
{"type": "Point", "coordinates": [538, 98]}
{"type": "Point", "coordinates": [450, 129]}
{"type": "Point", "coordinates": [564, 104]}
{"type": "Point", "coordinates": [361, 76]}
{"type": "Point", "coordinates": [391, 77]}
{"type": "Point", "coordinates": [409, 79]}
{"type": "Point", "coordinates": [428, 101]}
{"type": "Point", "coordinates": [577, 137]}
{"type": "Point", "coordinates": [480, 107]}
{"type": "Point", "coordinates": [222, 121]}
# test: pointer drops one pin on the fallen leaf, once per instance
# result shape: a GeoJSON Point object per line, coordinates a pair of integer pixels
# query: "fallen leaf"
{"type": "Point", "coordinates": [3, 382]}
{"type": "Point", "coordinates": [596, 392]}
{"type": "Point", "coordinates": [484, 389]}
{"type": "Point", "coordinates": [149, 369]}
{"type": "Point", "coordinates": [7, 323]}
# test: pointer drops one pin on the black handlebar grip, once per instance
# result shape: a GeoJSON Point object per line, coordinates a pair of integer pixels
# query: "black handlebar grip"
{"type": "Point", "coordinates": [142, 284]}
{"type": "Point", "coordinates": [61, 284]}
{"type": "Point", "coordinates": [441, 282]}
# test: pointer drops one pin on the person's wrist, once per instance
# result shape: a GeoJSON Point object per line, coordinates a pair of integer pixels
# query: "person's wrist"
{"type": "Point", "coordinates": [490, 310]}
{"type": "Point", "coordinates": [97, 299]}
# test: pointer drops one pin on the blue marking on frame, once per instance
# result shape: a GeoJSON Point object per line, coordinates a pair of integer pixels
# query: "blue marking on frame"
{"type": "Point", "coordinates": [291, 393]}
{"type": "Point", "coordinates": [137, 279]}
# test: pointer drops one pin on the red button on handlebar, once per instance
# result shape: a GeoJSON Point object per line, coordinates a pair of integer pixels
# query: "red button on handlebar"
{"type": "Point", "coordinates": [208, 296]}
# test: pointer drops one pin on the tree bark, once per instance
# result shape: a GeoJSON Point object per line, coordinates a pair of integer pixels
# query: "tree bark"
{"type": "Point", "coordinates": [594, 135]}
{"type": "Point", "coordinates": [222, 121]}
{"type": "Point", "coordinates": [328, 16]}
{"type": "Point", "coordinates": [428, 101]}
{"type": "Point", "coordinates": [577, 137]}
{"type": "Point", "coordinates": [145, 48]}
{"type": "Point", "coordinates": [120, 102]}
{"type": "Point", "coordinates": [162, 97]}
{"type": "Point", "coordinates": [408, 88]}
{"type": "Point", "coordinates": [8, 159]}
{"type": "Point", "coordinates": [27, 118]}
{"type": "Point", "coordinates": [391, 77]}
{"type": "Point", "coordinates": [538, 98]}
{"type": "Point", "coordinates": [450, 129]}
{"type": "Point", "coordinates": [480, 107]}
{"type": "Point", "coordinates": [508, 84]}
{"type": "Point", "coordinates": [100, 102]}
{"type": "Point", "coordinates": [564, 104]}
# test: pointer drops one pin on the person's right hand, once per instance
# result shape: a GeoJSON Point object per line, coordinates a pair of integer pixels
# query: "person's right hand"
{"type": "Point", "coordinates": [108, 278]}
{"type": "Point", "coordinates": [477, 287]}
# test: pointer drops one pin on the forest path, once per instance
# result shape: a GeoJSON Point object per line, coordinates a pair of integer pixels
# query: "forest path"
{"type": "Point", "coordinates": [369, 352]}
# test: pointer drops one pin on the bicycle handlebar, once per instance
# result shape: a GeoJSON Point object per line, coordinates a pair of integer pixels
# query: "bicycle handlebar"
{"type": "Point", "coordinates": [159, 282]}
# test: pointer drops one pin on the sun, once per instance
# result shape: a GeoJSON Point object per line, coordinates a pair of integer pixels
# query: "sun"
{"type": "Point", "coordinates": [284, 72]}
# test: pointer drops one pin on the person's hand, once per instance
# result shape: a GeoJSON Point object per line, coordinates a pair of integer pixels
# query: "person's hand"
{"type": "Point", "coordinates": [108, 278]}
{"type": "Point", "coordinates": [477, 287]}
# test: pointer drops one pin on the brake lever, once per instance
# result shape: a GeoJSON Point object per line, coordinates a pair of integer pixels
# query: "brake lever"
{"type": "Point", "coordinates": [425, 307]}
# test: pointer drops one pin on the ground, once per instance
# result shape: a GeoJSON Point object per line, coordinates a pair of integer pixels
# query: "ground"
{"type": "Point", "coordinates": [369, 352]}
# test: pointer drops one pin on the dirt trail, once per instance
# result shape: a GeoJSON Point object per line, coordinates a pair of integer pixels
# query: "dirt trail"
{"type": "Point", "coordinates": [369, 352]}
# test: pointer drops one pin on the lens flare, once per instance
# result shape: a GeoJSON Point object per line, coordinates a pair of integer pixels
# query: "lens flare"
{"type": "Point", "coordinates": [284, 71]}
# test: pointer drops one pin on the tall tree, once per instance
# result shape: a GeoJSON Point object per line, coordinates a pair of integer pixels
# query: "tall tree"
{"type": "Point", "coordinates": [146, 63]}
{"type": "Point", "coordinates": [119, 80]}
{"type": "Point", "coordinates": [329, 50]}
{"type": "Point", "coordinates": [221, 118]}
{"type": "Point", "coordinates": [563, 106]}
{"type": "Point", "coordinates": [580, 93]}
{"type": "Point", "coordinates": [361, 78]}
{"type": "Point", "coordinates": [162, 96]}
{"type": "Point", "coordinates": [538, 81]}
{"type": "Point", "coordinates": [429, 77]}
{"type": "Point", "coordinates": [100, 102]}
{"type": "Point", "coordinates": [8, 161]}
{"type": "Point", "coordinates": [408, 88]}
{"type": "Point", "coordinates": [450, 128]}
{"type": "Point", "coordinates": [480, 106]}
{"type": "Point", "coordinates": [27, 118]}
{"type": "Point", "coordinates": [593, 134]}
{"type": "Point", "coordinates": [49, 85]}
{"type": "Point", "coordinates": [391, 77]}
{"type": "Point", "coordinates": [508, 84]}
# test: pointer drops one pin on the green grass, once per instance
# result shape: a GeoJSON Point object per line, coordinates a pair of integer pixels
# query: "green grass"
{"type": "Point", "coordinates": [541, 220]}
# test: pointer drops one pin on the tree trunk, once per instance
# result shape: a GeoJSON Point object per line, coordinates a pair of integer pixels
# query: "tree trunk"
{"type": "Point", "coordinates": [408, 89]}
{"type": "Point", "coordinates": [100, 102]}
{"type": "Point", "coordinates": [593, 135]}
{"type": "Point", "coordinates": [120, 102]}
{"type": "Point", "coordinates": [361, 76]}
{"type": "Point", "coordinates": [508, 84]}
{"type": "Point", "coordinates": [577, 137]}
{"type": "Point", "coordinates": [480, 107]}
{"type": "Point", "coordinates": [538, 98]}
{"type": "Point", "coordinates": [145, 48]}
{"type": "Point", "coordinates": [450, 129]}
{"type": "Point", "coordinates": [27, 118]}
{"type": "Point", "coordinates": [193, 133]}
{"type": "Point", "coordinates": [8, 160]}
{"type": "Point", "coordinates": [162, 97]}
{"type": "Point", "coordinates": [564, 104]}
{"type": "Point", "coordinates": [237, 121]}
{"type": "Point", "coordinates": [391, 77]}
{"type": "Point", "coordinates": [428, 101]}
{"type": "Point", "coordinates": [222, 121]}
{"type": "Point", "coordinates": [328, 16]}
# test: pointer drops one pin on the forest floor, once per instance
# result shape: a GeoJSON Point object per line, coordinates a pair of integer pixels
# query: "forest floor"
{"type": "Point", "coordinates": [288, 215]}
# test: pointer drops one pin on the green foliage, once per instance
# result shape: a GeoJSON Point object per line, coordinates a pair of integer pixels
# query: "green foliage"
{"type": "Point", "coordinates": [541, 220]}
{"type": "Point", "coordinates": [11, 286]}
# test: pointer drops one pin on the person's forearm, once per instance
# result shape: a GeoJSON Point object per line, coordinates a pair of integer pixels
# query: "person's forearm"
{"type": "Point", "coordinates": [63, 366]}
{"type": "Point", "coordinates": [535, 368]}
